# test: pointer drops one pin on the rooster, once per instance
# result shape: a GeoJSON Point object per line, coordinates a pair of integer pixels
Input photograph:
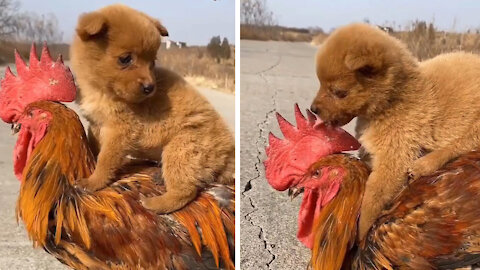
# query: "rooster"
{"type": "Point", "coordinates": [433, 223]}
{"type": "Point", "coordinates": [107, 229]}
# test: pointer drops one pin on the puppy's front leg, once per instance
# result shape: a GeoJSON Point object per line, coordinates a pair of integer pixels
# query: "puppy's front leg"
{"type": "Point", "coordinates": [388, 177]}
{"type": "Point", "coordinates": [184, 170]}
{"type": "Point", "coordinates": [111, 157]}
{"type": "Point", "coordinates": [93, 137]}
{"type": "Point", "coordinates": [429, 163]}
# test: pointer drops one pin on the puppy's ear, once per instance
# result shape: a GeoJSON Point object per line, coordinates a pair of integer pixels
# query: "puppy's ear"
{"type": "Point", "coordinates": [91, 25]}
{"type": "Point", "coordinates": [163, 31]}
{"type": "Point", "coordinates": [365, 65]}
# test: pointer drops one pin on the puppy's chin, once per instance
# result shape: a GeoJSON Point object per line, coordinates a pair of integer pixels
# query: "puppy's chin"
{"type": "Point", "coordinates": [339, 121]}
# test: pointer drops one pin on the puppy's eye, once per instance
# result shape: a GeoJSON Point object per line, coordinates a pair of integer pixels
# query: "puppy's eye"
{"type": "Point", "coordinates": [340, 93]}
{"type": "Point", "coordinates": [366, 71]}
{"type": "Point", "coordinates": [125, 60]}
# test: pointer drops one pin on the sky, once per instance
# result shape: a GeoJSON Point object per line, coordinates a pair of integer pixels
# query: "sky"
{"type": "Point", "coordinates": [191, 21]}
{"type": "Point", "coordinates": [458, 15]}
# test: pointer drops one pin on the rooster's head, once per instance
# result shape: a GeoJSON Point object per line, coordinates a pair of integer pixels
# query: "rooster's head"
{"type": "Point", "coordinates": [290, 165]}
{"type": "Point", "coordinates": [42, 80]}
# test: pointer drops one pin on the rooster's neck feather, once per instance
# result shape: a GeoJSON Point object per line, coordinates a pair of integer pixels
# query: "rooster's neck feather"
{"type": "Point", "coordinates": [336, 227]}
{"type": "Point", "coordinates": [61, 157]}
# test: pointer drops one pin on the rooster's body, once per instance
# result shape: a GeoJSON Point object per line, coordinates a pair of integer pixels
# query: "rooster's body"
{"type": "Point", "coordinates": [434, 223]}
{"type": "Point", "coordinates": [106, 229]}
{"type": "Point", "coordinates": [110, 228]}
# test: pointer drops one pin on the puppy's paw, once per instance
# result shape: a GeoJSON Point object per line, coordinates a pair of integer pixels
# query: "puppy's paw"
{"type": "Point", "coordinates": [91, 183]}
{"type": "Point", "coordinates": [168, 202]}
{"type": "Point", "coordinates": [424, 166]}
{"type": "Point", "coordinates": [155, 204]}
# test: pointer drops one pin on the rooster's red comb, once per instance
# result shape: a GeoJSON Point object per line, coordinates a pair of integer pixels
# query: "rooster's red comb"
{"type": "Point", "coordinates": [288, 159]}
{"type": "Point", "coordinates": [44, 79]}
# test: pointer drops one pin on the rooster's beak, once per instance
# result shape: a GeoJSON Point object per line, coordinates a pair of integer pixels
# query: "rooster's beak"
{"type": "Point", "coordinates": [294, 192]}
{"type": "Point", "coordinates": [16, 128]}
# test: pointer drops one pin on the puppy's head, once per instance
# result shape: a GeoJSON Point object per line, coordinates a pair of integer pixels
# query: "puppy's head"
{"type": "Point", "coordinates": [360, 69]}
{"type": "Point", "coordinates": [116, 47]}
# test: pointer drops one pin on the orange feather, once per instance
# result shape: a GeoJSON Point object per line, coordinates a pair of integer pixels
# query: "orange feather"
{"type": "Point", "coordinates": [110, 229]}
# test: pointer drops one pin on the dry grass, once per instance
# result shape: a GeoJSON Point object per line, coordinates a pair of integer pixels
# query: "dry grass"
{"type": "Point", "coordinates": [199, 68]}
{"type": "Point", "coordinates": [425, 42]}
{"type": "Point", "coordinates": [7, 48]}
{"type": "Point", "coordinates": [278, 33]}
{"type": "Point", "coordinates": [318, 39]}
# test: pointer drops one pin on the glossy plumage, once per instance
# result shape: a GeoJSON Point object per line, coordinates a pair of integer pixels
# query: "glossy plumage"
{"type": "Point", "coordinates": [109, 229]}
{"type": "Point", "coordinates": [434, 223]}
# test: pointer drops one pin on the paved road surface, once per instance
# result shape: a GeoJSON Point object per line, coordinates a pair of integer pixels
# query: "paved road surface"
{"type": "Point", "coordinates": [274, 76]}
{"type": "Point", "coordinates": [16, 250]}
{"type": "Point", "coordinates": [224, 103]}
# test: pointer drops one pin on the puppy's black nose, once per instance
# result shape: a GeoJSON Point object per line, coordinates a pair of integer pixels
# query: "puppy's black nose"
{"type": "Point", "coordinates": [314, 109]}
{"type": "Point", "coordinates": [148, 88]}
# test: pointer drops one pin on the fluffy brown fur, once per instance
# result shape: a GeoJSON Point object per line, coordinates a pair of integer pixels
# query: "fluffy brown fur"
{"type": "Point", "coordinates": [414, 117]}
{"type": "Point", "coordinates": [138, 110]}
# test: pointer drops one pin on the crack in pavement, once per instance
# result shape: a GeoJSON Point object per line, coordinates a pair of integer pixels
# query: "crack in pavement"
{"type": "Point", "coordinates": [262, 124]}
{"type": "Point", "coordinates": [260, 143]}
{"type": "Point", "coordinates": [269, 68]}
{"type": "Point", "coordinates": [280, 75]}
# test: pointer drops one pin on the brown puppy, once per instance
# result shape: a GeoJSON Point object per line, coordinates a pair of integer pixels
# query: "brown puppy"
{"type": "Point", "coordinates": [405, 108]}
{"type": "Point", "coordinates": [138, 110]}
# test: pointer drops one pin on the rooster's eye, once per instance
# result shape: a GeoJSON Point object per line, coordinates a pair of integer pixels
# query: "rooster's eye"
{"type": "Point", "coordinates": [317, 173]}
{"type": "Point", "coordinates": [125, 60]}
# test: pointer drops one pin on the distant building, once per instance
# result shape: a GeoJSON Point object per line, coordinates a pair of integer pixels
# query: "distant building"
{"type": "Point", "coordinates": [181, 44]}
{"type": "Point", "coordinates": [386, 29]}
{"type": "Point", "coordinates": [168, 44]}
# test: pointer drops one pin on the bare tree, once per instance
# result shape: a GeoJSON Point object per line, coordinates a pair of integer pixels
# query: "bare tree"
{"type": "Point", "coordinates": [28, 26]}
{"type": "Point", "coordinates": [255, 12]}
{"type": "Point", "coordinates": [38, 28]}
{"type": "Point", "coordinates": [8, 18]}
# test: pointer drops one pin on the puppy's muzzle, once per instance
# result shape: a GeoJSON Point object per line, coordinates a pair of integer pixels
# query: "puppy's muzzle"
{"type": "Point", "coordinates": [315, 109]}
{"type": "Point", "coordinates": [147, 89]}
